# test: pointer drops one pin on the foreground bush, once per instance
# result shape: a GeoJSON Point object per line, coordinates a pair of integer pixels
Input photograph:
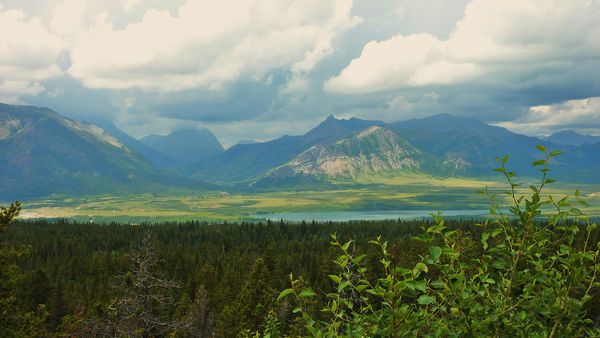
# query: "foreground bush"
{"type": "Point", "coordinates": [531, 272]}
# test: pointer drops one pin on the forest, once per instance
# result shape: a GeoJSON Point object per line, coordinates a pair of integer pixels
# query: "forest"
{"type": "Point", "coordinates": [529, 270]}
{"type": "Point", "coordinates": [66, 275]}
{"type": "Point", "coordinates": [222, 280]}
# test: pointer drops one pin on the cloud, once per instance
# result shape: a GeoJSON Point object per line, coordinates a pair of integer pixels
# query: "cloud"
{"type": "Point", "coordinates": [496, 41]}
{"type": "Point", "coordinates": [130, 5]}
{"type": "Point", "coordinates": [583, 114]}
{"type": "Point", "coordinates": [209, 44]}
{"type": "Point", "coordinates": [67, 16]}
{"type": "Point", "coordinates": [28, 53]}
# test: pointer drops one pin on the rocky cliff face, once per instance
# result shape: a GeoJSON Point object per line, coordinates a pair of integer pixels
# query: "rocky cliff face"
{"type": "Point", "coordinates": [371, 151]}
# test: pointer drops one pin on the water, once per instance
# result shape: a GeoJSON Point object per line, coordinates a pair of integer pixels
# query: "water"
{"type": "Point", "coordinates": [343, 216]}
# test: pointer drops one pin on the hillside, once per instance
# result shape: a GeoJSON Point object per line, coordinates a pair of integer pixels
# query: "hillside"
{"type": "Point", "coordinates": [45, 153]}
{"type": "Point", "coordinates": [154, 156]}
{"type": "Point", "coordinates": [373, 151]}
{"type": "Point", "coordinates": [467, 146]}
{"type": "Point", "coordinates": [243, 162]}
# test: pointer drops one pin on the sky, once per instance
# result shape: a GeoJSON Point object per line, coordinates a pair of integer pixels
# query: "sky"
{"type": "Point", "coordinates": [259, 69]}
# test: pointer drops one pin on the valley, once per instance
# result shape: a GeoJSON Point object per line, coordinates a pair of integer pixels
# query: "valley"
{"type": "Point", "coordinates": [63, 168]}
{"type": "Point", "coordinates": [408, 193]}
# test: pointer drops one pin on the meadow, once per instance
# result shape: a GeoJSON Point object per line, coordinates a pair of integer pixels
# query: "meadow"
{"type": "Point", "coordinates": [417, 192]}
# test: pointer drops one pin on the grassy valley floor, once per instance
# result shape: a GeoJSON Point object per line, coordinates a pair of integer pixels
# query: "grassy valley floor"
{"type": "Point", "coordinates": [416, 192]}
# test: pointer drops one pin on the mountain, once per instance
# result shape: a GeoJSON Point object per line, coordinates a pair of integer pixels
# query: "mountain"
{"type": "Point", "coordinates": [185, 145]}
{"type": "Point", "coordinates": [240, 142]}
{"type": "Point", "coordinates": [155, 157]}
{"type": "Point", "coordinates": [571, 137]}
{"type": "Point", "coordinates": [373, 151]}
{"type": "Point", "coordinates": [467, 146]}
{"type": "Point", "coordinates": [45, 153]}
{"type": "Point", "coordinates": [243, 162]}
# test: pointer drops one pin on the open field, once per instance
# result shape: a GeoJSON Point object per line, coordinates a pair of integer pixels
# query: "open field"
{"type": "Point", "coordinates": [407, 193]}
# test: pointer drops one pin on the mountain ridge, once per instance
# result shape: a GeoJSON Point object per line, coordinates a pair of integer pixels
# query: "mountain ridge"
{"type": "Point", "coordinates": [571, 137]}
{"type": "Point", "coordinates": [45, 153]}
{"type": "Point", "coordinates": [372, 150]}
{"type": "Point", "coordinates": [244, 162]}
{"type": "Point", "coordinates": [186, 145]}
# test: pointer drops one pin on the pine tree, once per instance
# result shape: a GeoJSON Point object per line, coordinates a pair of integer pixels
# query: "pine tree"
{"type": "Point", "coordinates": [141, 309]}
{"type": "Point", "coordinates": [200, 320]}
{"type": "Point", "coordinates": [256, 298]}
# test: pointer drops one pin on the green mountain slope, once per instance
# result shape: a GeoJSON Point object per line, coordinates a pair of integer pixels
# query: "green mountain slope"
{"type": "Point", "coordinates": [467, 146]}
{"type": "Point", "coordinates": [45, 153]}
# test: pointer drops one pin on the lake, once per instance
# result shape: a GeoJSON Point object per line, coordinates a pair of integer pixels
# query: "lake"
{"type": "Point", "coordinates": [342, 216]}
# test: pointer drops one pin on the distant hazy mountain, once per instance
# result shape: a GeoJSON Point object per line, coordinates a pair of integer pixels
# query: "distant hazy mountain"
{"type": "Point", "coordinates": [373, 151]}
{"type": "Point", "coordinates": [571, 137]}
{"type": "Point", "coordinates": [186, 145]}
{"type": "Point", "coordinates": [45, 153]}
{"type": "Point", "coordinates": [154, 156]}
{"type": "Point", "coordinates": [240, 142]}
{"type": "Point", "coordinates": [246, 161]}
{"type": "Point", "coordinates": [467, 146]}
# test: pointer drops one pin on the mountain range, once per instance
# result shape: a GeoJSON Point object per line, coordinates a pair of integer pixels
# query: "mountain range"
{"type": "Point", "coordinates": [45, 153]}
{"type": "Point", "coordinates": [571, 137]}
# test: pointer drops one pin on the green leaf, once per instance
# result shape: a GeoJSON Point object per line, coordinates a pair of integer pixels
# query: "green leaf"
{"type": "Point", "coordinates": [284, 293]}
{"type": "Point", "coordinates": [541, 148]}
{"type": "Point", "coordinates": [588, 256]}
{"type": "Point", "coordinates": [555, 153]}
{"type": "Point", "coordinates": [484, 236]}
{"type": "Point", "coordinates": [505, 159]}
{"type": "Point", "coordinates": [435, 252]}
{"type": "Point", "coordinates": [425, 300]}
{"type": "Point", "coordinates": [420, 267]}
{"type": "Point", "coordinates": [335, 278]}
{"type": "Point", "coordinates": [421, 285]}
{"type": "Point", "coordinates": [362, 287]}
{"type": "Point", "coordinates": [342, 286]}
{"type": "Point", "coordinates": [438, 284]}
{"type": "Point", "coordinates": [358, 259]}
{"type": "Point", "coordinates": [346, 245]}
{"type": "Point", "coordinates": [307, 293]}
{"type": "Point", "coordinates": [496, 232]}
{"type": "Point", "coordinates": [539, 162]}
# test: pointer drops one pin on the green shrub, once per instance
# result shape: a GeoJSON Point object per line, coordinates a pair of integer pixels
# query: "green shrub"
{"type": "Point", "coordinates": [531, 271]}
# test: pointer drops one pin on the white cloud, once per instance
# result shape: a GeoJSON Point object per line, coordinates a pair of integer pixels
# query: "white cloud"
{"type": "Point", "coordinates": [208, 44]}
{"type": "Point", "coordinates": [495, 37]}
{"type": "Point", "coordinates": [571, 114]}
{"type": "Point", "coordinates": [130, 5]}
{"type": "Point", "coordinates": [28, 53]}
{"type": "Point", "coordinates": [67, 16]}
